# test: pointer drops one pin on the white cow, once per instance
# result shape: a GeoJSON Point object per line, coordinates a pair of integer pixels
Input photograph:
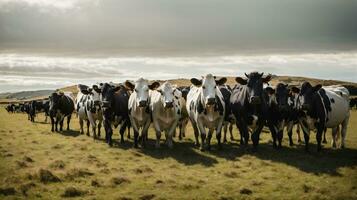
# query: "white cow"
{"type": "Point", "coordinates": [88, 106]}
{"type": "Point", "coordinates": [206, 108]}
{"type": "Point", "coordinates": [322, 108]}
{"type": "Point", "coordinates": [339, 98]}
{"type": "Point", "coordinates": [139, 110]}
{"type": "Point", "coordinates": [165, 112]}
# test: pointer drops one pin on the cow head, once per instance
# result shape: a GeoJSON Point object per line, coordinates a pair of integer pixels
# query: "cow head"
{"type": "Point", "coordinates": [107, 95]}
{"type": "Point", "coordinates": [54, 102]}
{"type": "Point", "coordinates": [141, 90]}
{"type": "Point", "coordinates": [208, 87]}
{"type": "Point", "coordinates": [167, 95]}
{"type": "Point", "coordinates": [307, 92]}
{"type": "Point", "coordinates": [282, 96]}
{"type": "Point", "coordinates": [254, 84]}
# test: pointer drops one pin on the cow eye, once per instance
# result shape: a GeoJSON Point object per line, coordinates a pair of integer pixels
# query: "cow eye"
{"type": "Point", "coordinates": [136, 90]}
{"type": "Point", "coordinates": [203, 87]}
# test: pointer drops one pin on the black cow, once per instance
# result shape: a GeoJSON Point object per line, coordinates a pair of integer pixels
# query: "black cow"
{"type": "Point", "coordinates": [115, 110]}
{"type": "Point", "coordinates": [46, 108]}
{"type": "Point", "coordinates": [353, 103]}
{"type": "Point", "coordinates": [32, 110]}
{"type": "Point", "coordinates": [61, 105]}
{"type": "Point", "coordinates": [10, 108]}
{"type": "Point", "coordinates": [249, 106]}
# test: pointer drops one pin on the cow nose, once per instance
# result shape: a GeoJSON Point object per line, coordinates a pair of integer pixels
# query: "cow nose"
{"type": "Point", "coordinates": [211, 101]}
{"type": "Point", "coordinates": [255, 100]}
{"type": "Point", "coordinates": [169, 104]}
{"type": "Point", "coordinates": [142, 103]}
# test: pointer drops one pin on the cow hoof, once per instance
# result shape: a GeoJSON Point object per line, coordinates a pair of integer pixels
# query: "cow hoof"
{"type": "Point", "coordinates": [122, 141]}
{"type": "Point", "coordinates": [202, 149]}
{"type": "Point", "coordinates": [88, 134]}
{"type": "Point", "coordinates": [324, 141]}
{"type": "Point", "coordinates": [197, 144]}
{"type": "Point", "coordinates": [224, 141]}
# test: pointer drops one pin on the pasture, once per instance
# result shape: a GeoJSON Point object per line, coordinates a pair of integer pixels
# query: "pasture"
{"type": "Point", "coordinates": [38, 164]}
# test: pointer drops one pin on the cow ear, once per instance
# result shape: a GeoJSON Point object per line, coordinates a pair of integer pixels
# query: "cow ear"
{"type": "Point", "coordinates": [129, 85]}
{"type": "Point", "coordinates": [317, 87]}
{"type": "Point", "coordinates": [221, 81]}
{"type": "Point", "coordinates": [196, 82]}
{"type": "Point", "coordinates": [241, 81]}
{"type": "Point", "coordinates": [267, 79]}
{"type": "Point", "coordinates": [154, 85]}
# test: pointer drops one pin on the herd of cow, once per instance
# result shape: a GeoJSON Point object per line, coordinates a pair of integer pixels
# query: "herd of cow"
{"type": "Point", "coordinates": [209, 104]}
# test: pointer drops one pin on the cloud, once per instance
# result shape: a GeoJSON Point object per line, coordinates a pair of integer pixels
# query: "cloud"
{"type": "Point", "coordinates": [40, 71]}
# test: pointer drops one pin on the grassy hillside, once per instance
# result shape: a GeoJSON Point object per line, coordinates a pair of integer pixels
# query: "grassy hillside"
{"type": "Point", "coordinates": [32, 95]}
{"type": "Point", "coordinates": [38, 164]}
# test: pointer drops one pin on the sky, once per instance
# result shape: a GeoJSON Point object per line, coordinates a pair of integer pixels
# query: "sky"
{"type": "Point", "coordinates": [45, 44]}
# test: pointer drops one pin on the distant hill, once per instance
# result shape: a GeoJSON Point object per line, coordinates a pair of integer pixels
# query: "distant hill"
{"type": "Point", "coordinates": [291, 80]}
{"type": "Point", "coordinates": [24, 95]}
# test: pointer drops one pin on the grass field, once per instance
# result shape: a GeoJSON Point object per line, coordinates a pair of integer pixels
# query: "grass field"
{"type": "Point", "coordinates": [38, 164]}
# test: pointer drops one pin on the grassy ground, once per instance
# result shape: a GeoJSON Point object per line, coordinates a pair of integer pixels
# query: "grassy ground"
{"type": "Point", "coordinates": [38, 164]}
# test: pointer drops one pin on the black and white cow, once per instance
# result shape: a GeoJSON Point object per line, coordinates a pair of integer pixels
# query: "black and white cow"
{"type": "Point", "coordinates": [181, 98]}
{"type": "Point", "coordinates": [321, 108]}
{"type": "Point", "coordinates": [165, 112]}
{"type": "Point", "coordinates": [10, 108]}
{"type": "Point", "coordinates": [229, 120]}
{"type": "Point", "coordinates": [139, 108]}
{"type": "Point", "coordinates": [206, 109]}
{"type": "Point", "coordinates": [249, 106]}
{"type": "Point", "coordinates": [89, 108]}
{"type": "Point", "coordinates": [115, 110]}
{"type": "Point", "coordinates": [61, 106]}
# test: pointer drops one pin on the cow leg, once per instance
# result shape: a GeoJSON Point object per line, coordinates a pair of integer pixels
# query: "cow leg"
{"type": "Point", "coordinates": [94, 128]}
{"type": "Point", "coordinates": [273, 131]}
{"type": "Point", "coordinates": [68, 121]}
{"type": "Point", "coordinates": [344, 132]}
{"type": "Point", "coordinates": [144, 133]}
{"type": "Point", "coordinates": [170, 134]}
{"type": "Point", "coordinates": [122, 130]}
{"type": "Point", "coordinates": [196, 132]}
{"type": "Point", "coordinates": [158, 137]}
{"type": "Point", "coordinates": [280, 138]}
{"type": "Point", "coordinates": [306, 132]}
{"type": "Point", "coordinates": [56, 124]}
{"type": "Point", "coordinates": [290, 132]}
{"type": "Point", "coordinates": [61, 124]}
{"type": "Point", "coordinates": [180, 130]}
{"type": "Point", "coordinates": [209, 137]}
{"type": "Point", "coordinates": [52, 123]}
{"type": "Point", "coordinates": [298, 133]}
{"type": "Point", "coordinates": [99, 127]}
{"type": "Point", "coordinates": [203, 135]}
{"type": "Point", "coordinates": [243, 131]}
{"type": "Point", "coordinates": [81, 126]}
{"type": "Point", "coordinates": [108, 132]}
{"type": "Point", "coordinates": [255, 136]}
{"type": "Point", "coordinates": [324, 136]}
{"type": "Point", "coordinates": [231, 131]}
{"type": "Point", "coordinates": [88, 125]}
{"type": "Point", "coordinates": [218, 136]}
{"type": "Point", "coordinates": [320, 130]}
{"type": "Point", "coordinates": [334, 136]}
{"type": "Point", "coordinates": [225, 127]}
{"type": "Point", "coordinates": [129, 132]}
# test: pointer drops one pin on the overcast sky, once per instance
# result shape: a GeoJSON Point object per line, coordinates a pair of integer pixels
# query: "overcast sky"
{"type": "Point", "coordinates": [39, 38]}
{"type": "Point", "coordinates": [179, 26]}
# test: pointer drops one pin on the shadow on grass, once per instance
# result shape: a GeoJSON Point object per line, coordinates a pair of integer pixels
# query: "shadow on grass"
{"type": "Point", "coordinates": [69, 133]}
{"type": "Point", "coordinates": [183, 151]}
{"type": "Point", "coordinates": [328, 161]}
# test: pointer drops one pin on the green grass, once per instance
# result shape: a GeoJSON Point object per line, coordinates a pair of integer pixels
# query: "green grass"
{"type": "Point", "coordinates": [92, 170]}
